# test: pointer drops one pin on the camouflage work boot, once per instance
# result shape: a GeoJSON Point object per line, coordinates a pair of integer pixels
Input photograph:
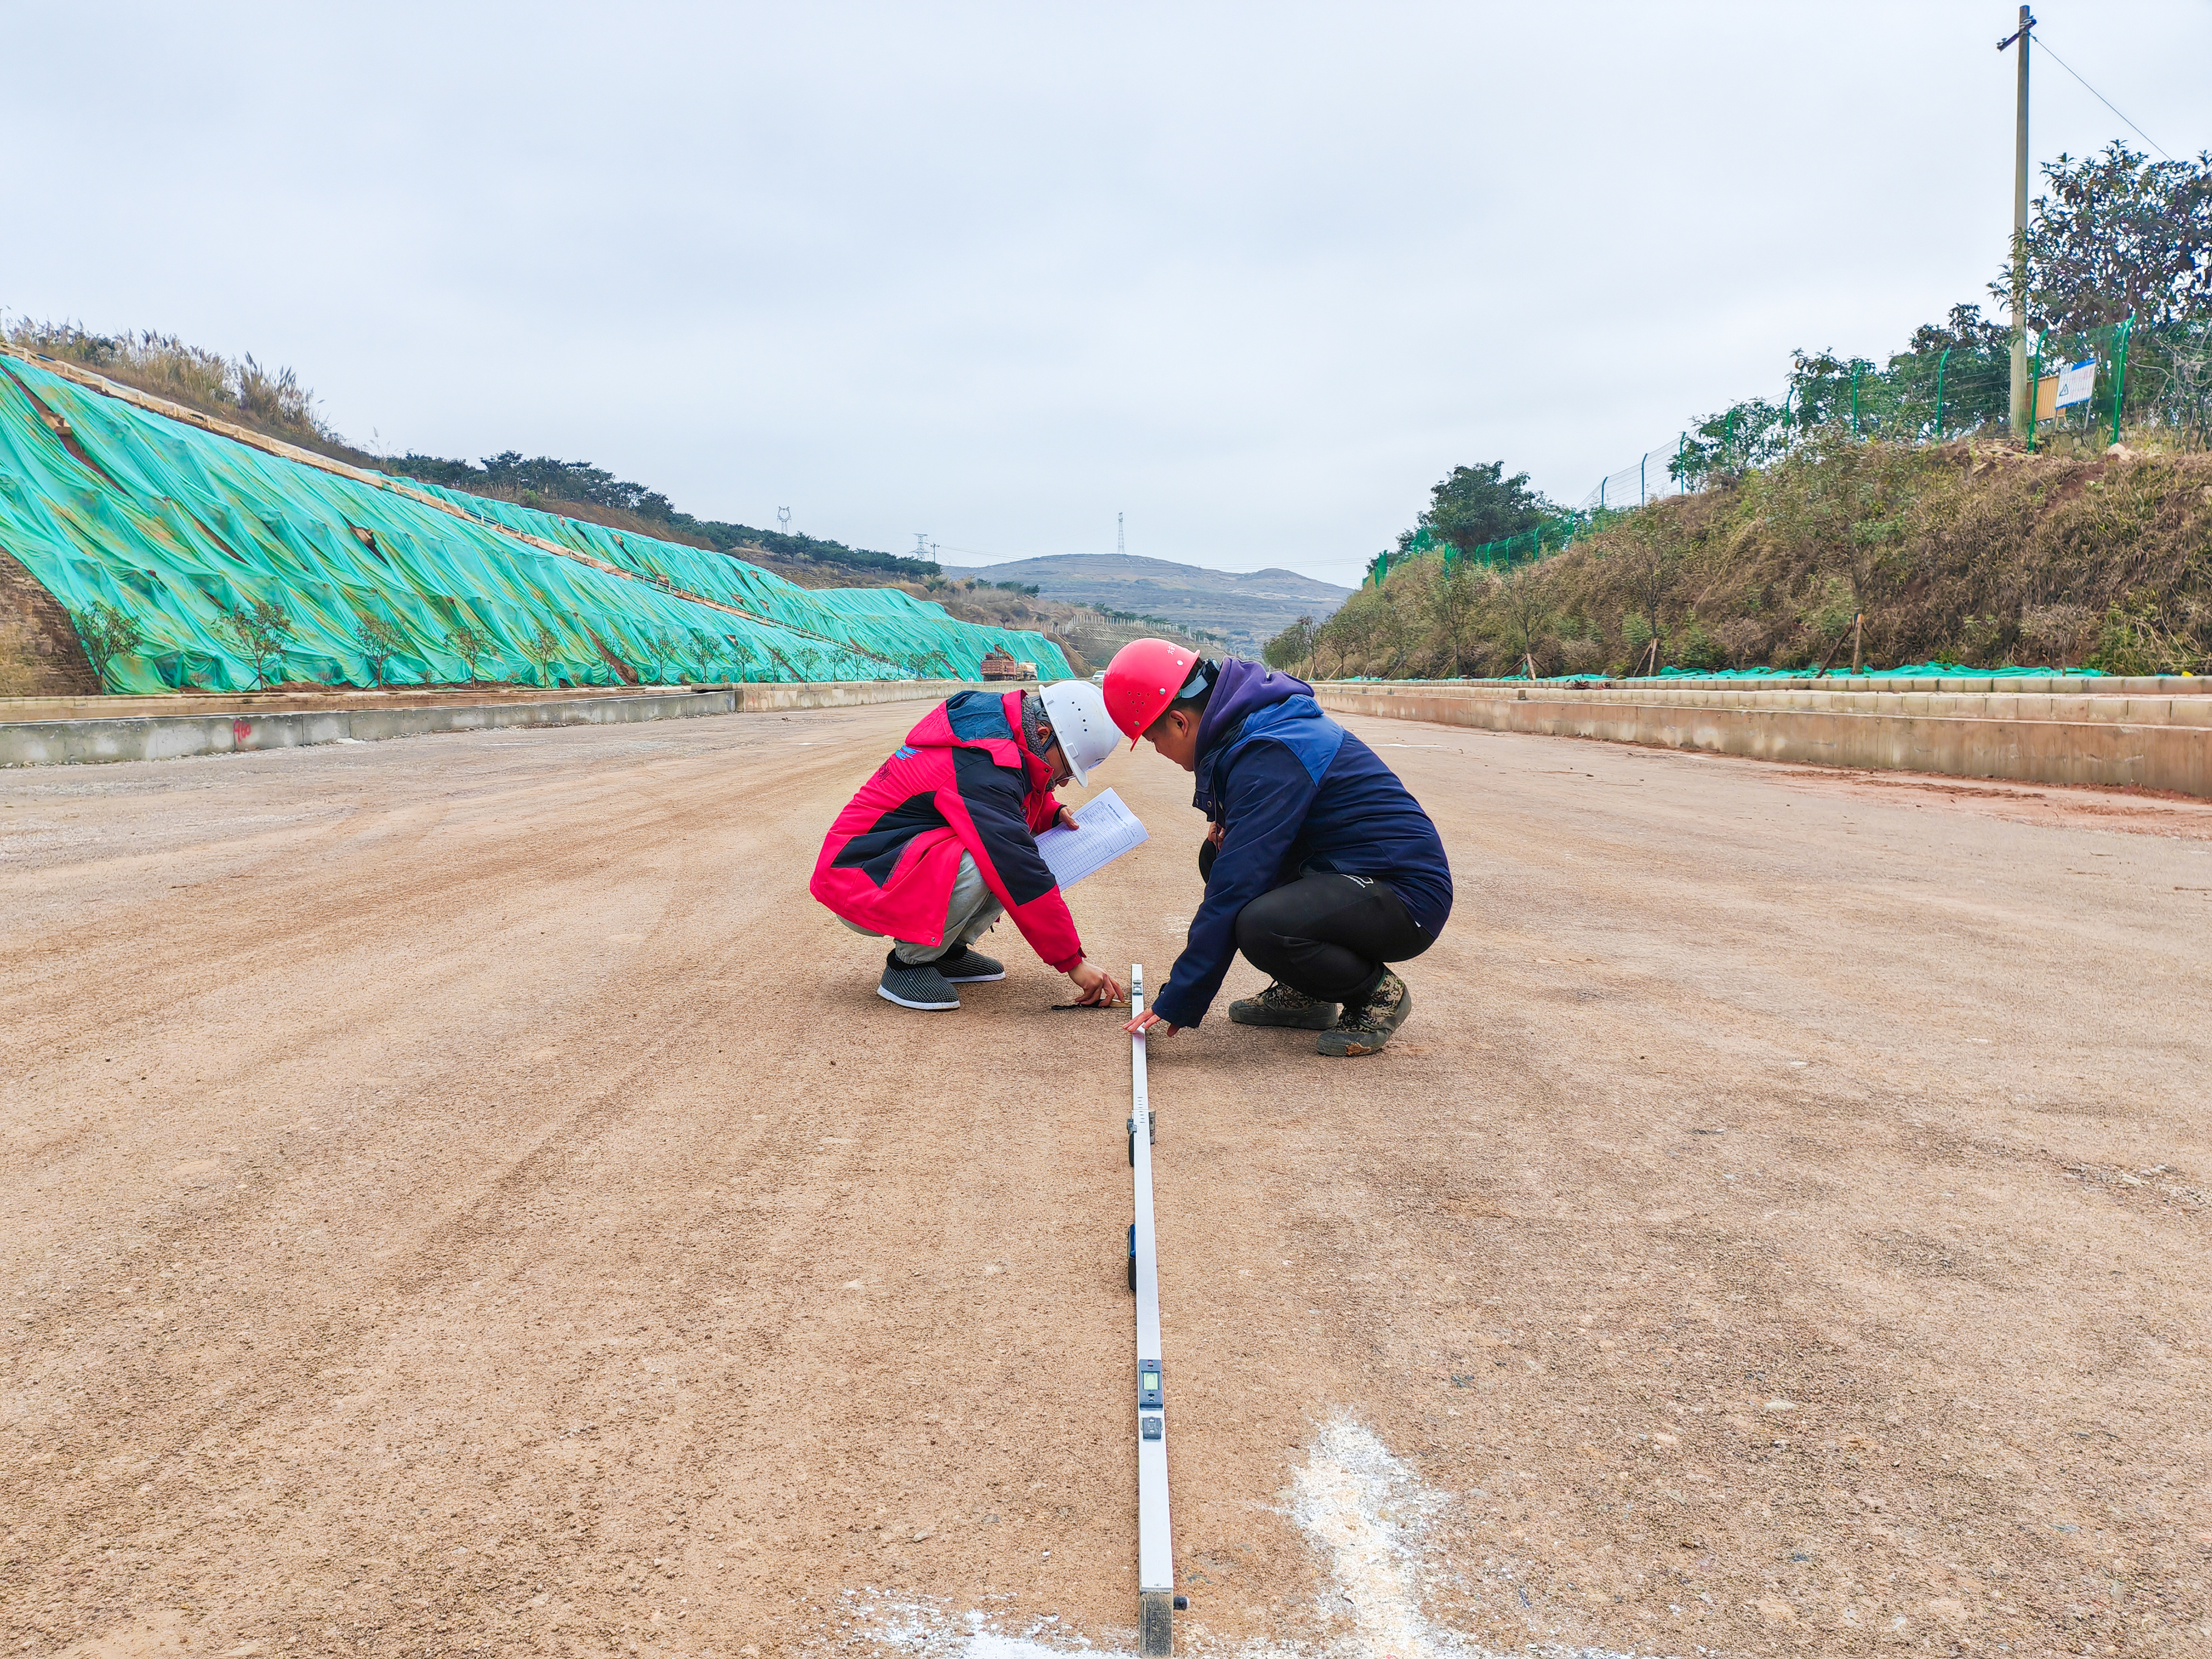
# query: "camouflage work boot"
{"type": "Point", "coordinates": [1279, 1005]}
{"type": "Point", "coordinates": [1365, 1029]}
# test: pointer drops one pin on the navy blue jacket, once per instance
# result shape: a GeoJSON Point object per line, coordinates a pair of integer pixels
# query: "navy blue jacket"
{"type": "Point", "coordinates": [1295, 792]}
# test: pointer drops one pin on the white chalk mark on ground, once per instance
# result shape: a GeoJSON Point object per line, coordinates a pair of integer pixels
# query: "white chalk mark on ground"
{"type": "Point", "coordinates": [1369, 1514]}
{"type": "Point", "coordinates": [930, 1630]}
{"type": "Point", "coordinates": [1365, 1510]}
{"type": "Point", "coordinates": [1361, 1507]}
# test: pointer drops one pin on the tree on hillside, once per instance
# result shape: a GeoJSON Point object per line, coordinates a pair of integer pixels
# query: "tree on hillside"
{"type": "Point", "coordinates": [1649, 561]}
{"type": "Point", "coordinates": [1964, 363]}
{"type": "Point", "coordinates": [1454, 593]}
{"type": "Point", "coordinates": [1954, 375]}
{"type": "Point", "coordinates": [574, 481]}
{"type": "Point", "coordinates": [261, 628]}
{"type": "Point", "coordinates": [1750, 434]}
{"type": "Point", "coordinates": [1291, 647]}
{"type": "Point", "coordinates": [469, 643]}
{"type": "Point", "coordinates": [556, 485]}
{"type": "Point", "coordinates": [378, 639]}
{"type": "Point", "coordinates": [543, 649]}
{"type": "Point", "coordinates": [1965, 330]}
{"type": "Point", "coordinates": [1517, 587]}
{"type": "Point", "coordinates": [541, 475]}
{"type": "Point", "coordinates": [1480, 504]}
{"type": "Point", "coordinates": [108, 634]}
{"type": "Point", "coordinates": [2119, 235]}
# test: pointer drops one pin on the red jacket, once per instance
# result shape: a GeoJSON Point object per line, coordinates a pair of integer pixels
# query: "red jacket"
{"type": "Point", "coordinates": [964, 781]}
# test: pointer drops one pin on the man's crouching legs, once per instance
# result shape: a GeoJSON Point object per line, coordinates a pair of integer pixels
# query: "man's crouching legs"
{"type": "Point", "coordinates": [1328, 938]}
{"type": "Point", "coordinates": [922, 975]}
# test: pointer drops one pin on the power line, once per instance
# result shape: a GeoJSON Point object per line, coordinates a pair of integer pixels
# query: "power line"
{"type": "Point", "coordinates": [2099, 96]}
{"type": "Point", "coordinates": [984, 553]}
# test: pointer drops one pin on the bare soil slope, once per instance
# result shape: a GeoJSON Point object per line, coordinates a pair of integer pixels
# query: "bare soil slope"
{"type": "Point", "coordinates": [40, 655]}
{"type": "Point", "coordinates": [459, 1194]}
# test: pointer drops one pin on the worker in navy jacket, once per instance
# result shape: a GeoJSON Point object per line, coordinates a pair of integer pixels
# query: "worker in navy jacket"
{"type": "Point", "coordinates": [1319, 864]}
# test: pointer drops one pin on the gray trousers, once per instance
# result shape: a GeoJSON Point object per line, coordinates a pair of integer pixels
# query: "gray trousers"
{"type": "Point", "coordinates": [969, 914]}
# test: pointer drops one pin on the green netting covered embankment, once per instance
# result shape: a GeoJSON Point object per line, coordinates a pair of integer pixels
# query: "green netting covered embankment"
{"type": "Point", "coordinates": [235, 568]}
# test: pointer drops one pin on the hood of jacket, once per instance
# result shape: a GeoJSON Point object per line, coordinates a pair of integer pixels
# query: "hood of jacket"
{"type": "Point", "coordinates": [1242, 690]}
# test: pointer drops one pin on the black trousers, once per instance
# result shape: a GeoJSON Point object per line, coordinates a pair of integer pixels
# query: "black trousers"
{"type": "Point", "coordinates": [1330, 935]}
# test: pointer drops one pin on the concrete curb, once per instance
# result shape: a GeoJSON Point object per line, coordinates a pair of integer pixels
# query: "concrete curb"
{"type": "Point", "coordinates": [174, 737]}
{"type": "Point", "coordinates": [2009, 742]}
{"type": "Point", "coordinates": [2105, 685]}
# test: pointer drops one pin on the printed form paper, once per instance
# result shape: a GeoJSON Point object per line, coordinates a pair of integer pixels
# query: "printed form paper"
{"type": "Point", "coordinates": [1109, 829]}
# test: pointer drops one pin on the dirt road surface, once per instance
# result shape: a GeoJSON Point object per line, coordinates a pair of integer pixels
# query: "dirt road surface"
{"type": "Point", "coordinates": [460, 1195]}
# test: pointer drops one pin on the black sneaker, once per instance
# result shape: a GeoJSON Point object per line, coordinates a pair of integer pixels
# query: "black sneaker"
{"type": "Point", "coordinates": [966, 965]}
{"type": "Point", "coordinates": [917, 985]}
{"type": "Point", "coordinates": [1279, 1005]}
{"type": "Point", "coordinates": [1365, 1029]}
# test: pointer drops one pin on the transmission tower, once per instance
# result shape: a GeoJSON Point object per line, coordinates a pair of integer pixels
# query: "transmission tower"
{"type": "Point", "coordinates": [783, 519]}
{"type": "Point", "coordinates": [1118, 548]}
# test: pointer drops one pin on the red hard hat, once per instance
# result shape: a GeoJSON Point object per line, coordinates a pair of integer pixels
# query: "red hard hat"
{"type": "Point", "coordinates": [1142, 680]}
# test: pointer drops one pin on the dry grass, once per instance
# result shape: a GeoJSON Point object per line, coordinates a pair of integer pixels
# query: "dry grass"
{"type": "Point", "coordinates": [272, 402]}
{"type": "Point", "coordinates": [1968, 553]}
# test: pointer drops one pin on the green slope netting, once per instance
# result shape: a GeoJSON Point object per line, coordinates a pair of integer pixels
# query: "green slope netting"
{"type": "Point", "coordinates": [183, 531]}
{"type": "Point", "coordinates": [1911, 670]}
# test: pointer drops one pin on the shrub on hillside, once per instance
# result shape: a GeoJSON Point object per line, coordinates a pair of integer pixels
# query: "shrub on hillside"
{"type": "Point", "coordinates": [1961, 553]}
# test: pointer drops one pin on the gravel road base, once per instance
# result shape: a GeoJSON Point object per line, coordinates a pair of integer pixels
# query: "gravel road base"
{"type": "Point", "coordinates": [461, 1195]}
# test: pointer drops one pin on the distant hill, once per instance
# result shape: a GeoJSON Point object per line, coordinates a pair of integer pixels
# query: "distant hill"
{"type": "Point", "coordinates": [1246, 608]}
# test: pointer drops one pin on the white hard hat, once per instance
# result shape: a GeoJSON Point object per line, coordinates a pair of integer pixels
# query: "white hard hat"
{"type": "Point", "coordinates": [1077, 709]}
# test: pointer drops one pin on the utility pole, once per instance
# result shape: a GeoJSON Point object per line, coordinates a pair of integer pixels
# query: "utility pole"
{"type": "Point", "coordinates": [1118, 548]}
{"type": "Point", "coordinates": [2023, 412]}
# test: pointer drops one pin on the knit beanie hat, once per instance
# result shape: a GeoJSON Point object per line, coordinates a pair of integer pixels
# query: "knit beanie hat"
{"type": "Point", "coordinates": [1034, 723]}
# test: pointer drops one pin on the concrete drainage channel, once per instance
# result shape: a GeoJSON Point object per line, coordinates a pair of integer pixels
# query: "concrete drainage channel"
{"type": "Point", "coordinates": [60, 731]}
{"type": "Point", "coordinates": [2149, 733]}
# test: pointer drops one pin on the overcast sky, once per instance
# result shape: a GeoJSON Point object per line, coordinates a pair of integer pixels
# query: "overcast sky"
{"type": "Point", "coordinates": [1256, 275]}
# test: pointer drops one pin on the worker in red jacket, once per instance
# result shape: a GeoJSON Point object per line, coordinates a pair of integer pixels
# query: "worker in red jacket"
{"type": "Point", "coordinates": [942, 841]}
